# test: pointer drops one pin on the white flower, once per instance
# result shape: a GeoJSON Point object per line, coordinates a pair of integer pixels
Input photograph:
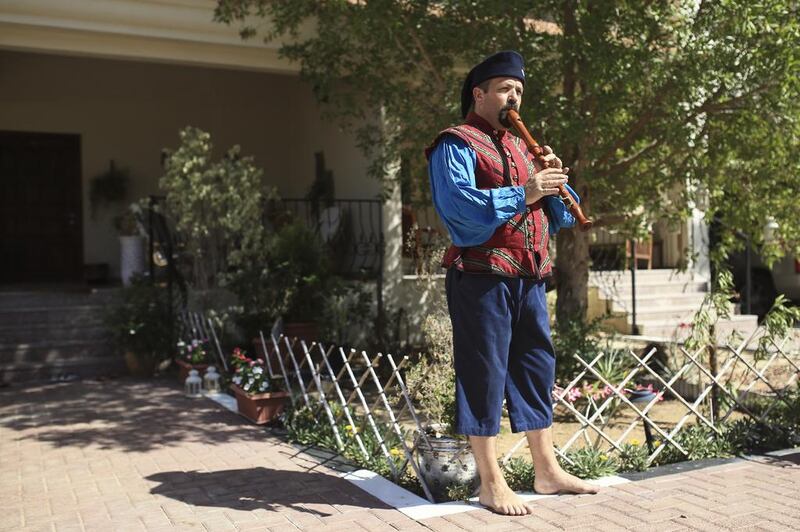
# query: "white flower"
{"type": "Point", "coordinates": [237, 380]}
{"type": "Point", "coordinates": [247, 387]}
{"type": "Point", "coordinates": [181, 343]}
{"type": "Point", "coordinates": [195, 343]}
{"type": "Point", "coordinates": [132, 331]}
{"type": "Point", "coordinates": [258, 371]}
{"type": "Point", "coordinates": [264, 386]}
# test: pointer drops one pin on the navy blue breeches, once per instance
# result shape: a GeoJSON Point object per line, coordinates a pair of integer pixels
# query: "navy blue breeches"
{"type": "Point", "coordinates": [502, 349]}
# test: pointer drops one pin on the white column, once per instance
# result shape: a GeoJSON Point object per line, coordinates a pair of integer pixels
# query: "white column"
{"type": "Point", "coordinates": [392, 228]}
{"type": "Point", "coordinates": [700, 261]}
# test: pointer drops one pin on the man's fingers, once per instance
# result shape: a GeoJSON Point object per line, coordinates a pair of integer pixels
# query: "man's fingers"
{"type": "Point", "coordinates": [547, 149]}
{"type": "Point", "coordinates": [551, 170]}
{"type": "Point", "coordinates": [550, 157]}
{"type": "Point", "coordinates": [550, 191]}
{"type": "Point", "coordinates": [553, 182]}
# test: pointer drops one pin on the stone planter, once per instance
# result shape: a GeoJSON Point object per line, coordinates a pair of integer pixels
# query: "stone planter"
{"type": "Point", "coordinates": [132, 257]}
{"type": "Point", "coordinates": [259, 408]}
{"type": "Point", "coordinates": [184, 367]}
{"type": "Point", "coordinates": [445, 461]}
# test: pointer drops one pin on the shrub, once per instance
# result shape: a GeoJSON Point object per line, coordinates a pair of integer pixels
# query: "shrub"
{"type": "Point", "coordinates": [588, 463]}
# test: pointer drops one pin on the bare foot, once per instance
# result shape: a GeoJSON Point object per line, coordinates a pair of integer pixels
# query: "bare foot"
{"type": "Point", "coordinates": [561, 482]}
{"type": "Point", "coordinates": [498, 497]}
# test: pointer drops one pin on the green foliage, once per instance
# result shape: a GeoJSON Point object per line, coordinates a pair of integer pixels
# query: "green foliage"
{"type": "Point", "coordinates": [141, 321]}
{"type": "Point", "coordinates": [777, 323]}
{"type": "Point", "coordinates": [299, 269]}
{"type": "Point", "coordinates": [519, 474]}
{"type": "Point", "coordinates": [588, 463]}
{"type": "Point", "coordinates": [700, 442]}
{"type": "Point", "coordinates": [577, 336]}
{"type": "Point", "coordinates": [715, 306]}
{"type": "Point", "coordinates": [217, 207]}
{"type": "Point", "coordinates": [346, 313]}
{"type": "Point", "coordinates": [638, 100]}
{"type": "Point", "coordinates": [460, 492]}
{"type": "Point", "coordinates": [431, 381]}
{"type": "Point", "coordinates": [311, 427]}
{"type": "Point", "coordinates": [633, 457]}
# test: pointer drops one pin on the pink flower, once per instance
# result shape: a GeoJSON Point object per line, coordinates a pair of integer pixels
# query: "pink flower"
{"type": "Point", "coordinates": [573, 395]}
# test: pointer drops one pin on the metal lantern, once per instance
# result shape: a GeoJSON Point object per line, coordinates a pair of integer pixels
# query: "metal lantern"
{"type": "Point", "coordinates": [211, 380]}
{"type": "Point", "coordinates": [193, 384]}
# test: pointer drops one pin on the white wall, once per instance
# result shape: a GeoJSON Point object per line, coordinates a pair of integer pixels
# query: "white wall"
{"type": "Point", "coordinates": [128, 111]}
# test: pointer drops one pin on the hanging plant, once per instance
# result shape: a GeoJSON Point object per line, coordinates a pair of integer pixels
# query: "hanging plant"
{"type": "Point", "coordinates": [108, 188]}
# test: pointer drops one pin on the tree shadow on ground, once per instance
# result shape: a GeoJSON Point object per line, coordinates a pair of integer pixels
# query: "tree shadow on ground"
{"type": "Point", "coordinates": [261, 487]}
{"type": "Point", "coordinates": [786, 460]}
{"type": "Point", "coordinates": [128, 414]}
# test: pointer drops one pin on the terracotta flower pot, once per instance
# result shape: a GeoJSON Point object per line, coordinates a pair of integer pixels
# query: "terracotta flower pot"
{"type": "Point", "coordinates": [139, 366]}
{"type": "Point", "coordinates": [184, 367]}
{"type": "Point", "coordinates": [272, 355]}
{"type": "Point", "coordinates": [306, 330]}
{"type": "Point", "coordinates": [259, 408]}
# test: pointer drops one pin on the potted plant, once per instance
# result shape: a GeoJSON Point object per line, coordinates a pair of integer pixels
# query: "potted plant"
{"type": "Point", "coordinates": [446, 458]}
{"type": "Point", "coordinates": [301, 268]}
{"type": "Point", "coordinates": [258, 398]}
{"type": "Point", "coordinates": [131, 246]}
{"type": "Point", "coordinates": [193, 355]}
{"type": "Point", "coordinates": [140, 326]}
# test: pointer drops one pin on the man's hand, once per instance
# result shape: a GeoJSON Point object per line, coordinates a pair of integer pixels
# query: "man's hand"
{"type": "Point", "coordinates": [544, 183]}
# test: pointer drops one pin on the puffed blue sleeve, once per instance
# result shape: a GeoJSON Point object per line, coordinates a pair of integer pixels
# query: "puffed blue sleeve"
{"type": "Point", "coordinates": [470, 214]}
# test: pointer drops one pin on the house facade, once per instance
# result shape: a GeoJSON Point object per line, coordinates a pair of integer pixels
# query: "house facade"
{"type": "Point", "coordinates": [84, 83]}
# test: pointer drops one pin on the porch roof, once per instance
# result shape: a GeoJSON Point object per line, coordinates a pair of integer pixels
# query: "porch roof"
{"type": "Point", "coordinates": [172, 31]}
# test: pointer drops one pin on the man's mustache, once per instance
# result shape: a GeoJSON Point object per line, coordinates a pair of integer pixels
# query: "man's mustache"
{"type": "Point", "coordinates": [504, 113]}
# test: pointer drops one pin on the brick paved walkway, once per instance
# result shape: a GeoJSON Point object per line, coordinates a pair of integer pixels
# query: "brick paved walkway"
{"type": "Point", "coordinates": [127, 455]}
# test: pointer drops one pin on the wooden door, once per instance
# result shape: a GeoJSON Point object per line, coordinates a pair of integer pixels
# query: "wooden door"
{"type": "Point", "coordinates": [41, 230]}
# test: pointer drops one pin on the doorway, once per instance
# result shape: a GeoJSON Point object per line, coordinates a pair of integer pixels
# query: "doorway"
{"type": "Point", "coordinates": [41, 222]}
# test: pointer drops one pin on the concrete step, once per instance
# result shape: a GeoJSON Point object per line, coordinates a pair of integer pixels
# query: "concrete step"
{"type": "Point", "coordinates": [51, 352]}
{"type": "Point", "coordinates": [78, 315]}
{"type": "Point", "coordinates": [623, 291]}
{"type": "Point", "coordinates": [17, 300]}
{"type": "Point", "coordinates": [672, 329]}
{"type": "Point", "coordinates": [32, 332]}
{"type": "Point", "coordinates": [658, 301]}
{"type": "Point", "coordinates": [62, 369]}
{"type": "Point", "coordinates": [624, 276]}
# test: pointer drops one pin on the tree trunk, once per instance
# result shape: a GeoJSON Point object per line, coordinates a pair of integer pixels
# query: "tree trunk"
{"type": "Point", "coordinates": [572, 245]}
{"type": "Point", "coordinates": [572, 267]}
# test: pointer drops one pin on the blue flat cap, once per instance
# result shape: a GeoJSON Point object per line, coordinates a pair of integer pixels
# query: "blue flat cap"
{"type": "Point", "coordinates": [506, 64]}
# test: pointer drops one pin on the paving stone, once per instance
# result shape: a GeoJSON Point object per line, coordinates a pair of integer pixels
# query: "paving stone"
{"type": "Point", "coordinates": [137, 464]}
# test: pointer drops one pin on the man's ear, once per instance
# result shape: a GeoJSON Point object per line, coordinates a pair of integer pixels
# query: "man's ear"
{"type": "Point", "coordinates": [477, 93]}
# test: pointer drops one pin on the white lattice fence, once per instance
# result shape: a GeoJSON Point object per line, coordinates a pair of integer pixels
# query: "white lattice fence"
{"type": "Point", "coordinates": [737, 373]}
{"type": "Point", "coordinates": [197, 326]}
{"type": "Point", "coordinates": [350, 388]}
{"type": "Point", "coordinates": [344, 386]}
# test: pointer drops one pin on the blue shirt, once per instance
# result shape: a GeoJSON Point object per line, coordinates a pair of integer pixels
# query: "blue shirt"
{"type": "Point", "coordinates": [470, 214]}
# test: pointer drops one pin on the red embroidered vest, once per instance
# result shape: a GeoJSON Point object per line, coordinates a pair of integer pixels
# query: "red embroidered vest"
{"type": "Point", "coordinates": [518, 248]}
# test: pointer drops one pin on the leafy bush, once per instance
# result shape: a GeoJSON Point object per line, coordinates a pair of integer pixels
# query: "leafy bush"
{"type": "Point", "coordinates": [588, 463]}
{"type": "Point", "coordinates": [141, 322]}
{"type": "Point", "coordinates": [519, 474]}
{"type": "Point", "coordinates": [431, 381]}
{"type": "Point", "coordinates": [217, 207]}
{"type": "Point", "coordinates": [633, 457]}
{"type": "Point", "coordinates": [579, 337]}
